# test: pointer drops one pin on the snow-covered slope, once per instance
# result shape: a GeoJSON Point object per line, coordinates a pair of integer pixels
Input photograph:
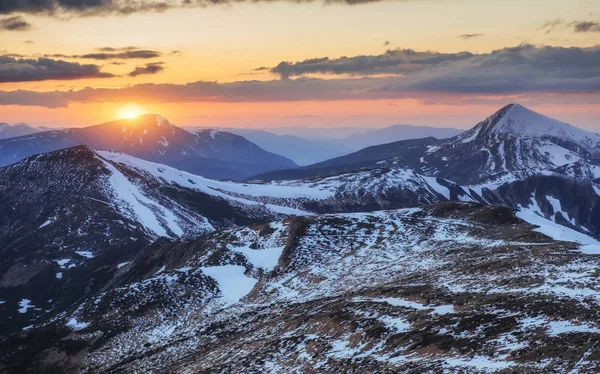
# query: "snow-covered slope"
{"type": "Point", "coordinates": [445, 288]}
{"type": "Point", "coordinates": [358, 191]}
{"type": "Point", "coordinates": [517, 120]}
{"type": "Point", "coordinates": [67, 213]}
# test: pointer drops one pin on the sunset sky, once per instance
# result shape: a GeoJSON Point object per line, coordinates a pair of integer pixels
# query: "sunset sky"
{"type": "Point", "coordinates": [284, 63]}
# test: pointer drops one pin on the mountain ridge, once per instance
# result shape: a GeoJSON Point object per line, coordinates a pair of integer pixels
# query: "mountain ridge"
{"type": "Point", "coordinates": [154, 138]}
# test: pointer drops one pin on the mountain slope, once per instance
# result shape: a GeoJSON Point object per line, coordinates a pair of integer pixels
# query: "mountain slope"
{"type": "Point", "coordinates": [301, 151]}
{"type": "Point", "coordinates": [395, 133]}
{"type": "Point", "coordinates": [385, 155]}
{"type": "Point", "coordinates": [72, 213]}
{"type": "Point", "coordinates": [443, 288]}
{"type": "Point", "coordinates": [152, 137]}
{"type": "Point", "coordinates": [75, 212]}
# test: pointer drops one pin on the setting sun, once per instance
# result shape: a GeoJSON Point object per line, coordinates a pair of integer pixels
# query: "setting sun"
{"type": "Point", "coordinates": [131, 111]}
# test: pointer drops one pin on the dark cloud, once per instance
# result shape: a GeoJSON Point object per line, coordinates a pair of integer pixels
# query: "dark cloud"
{"type": "Point", "coordinates": [153, 68]}
{"type": "Point", "coordinates": [16, 23]}
{"type": "Point", "coordinates": [27, 70]}
{"type": "Point", "coordinates": [586, 26]}
{"type": "Point", "coordinates": [129, 54]}
{"type": "Point", "coordinates": [386, 43]}
{"type": "Point", "coordinates": [469, 36]}
{"type": "Point", "coordinates": [109, 53]}
{"type": "Point", "coordinates": [521, 70]}
{"type": "Point", "coordinates": [176, 53]}
{"type": "Point", "coordinates": [61, 8]}
{"type": "Point", "coordinates": [488, 70]}
{"type": "Point", "coordinates": [399, 61]}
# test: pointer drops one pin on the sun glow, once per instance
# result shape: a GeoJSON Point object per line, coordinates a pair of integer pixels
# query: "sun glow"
{"type": "Point", "coordinates": [131, 111]}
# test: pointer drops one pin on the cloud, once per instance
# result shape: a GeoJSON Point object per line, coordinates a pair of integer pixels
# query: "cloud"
{"type": "Point", "coordinates": [577, 26]}
{"type": "Point", "coordinates": [16, 23]}
{"type": "Point", "coordinates": [27, 70]}
{"type": "Point", "coordinates": [501, 67]}
{"type": "Point", "coordinates": [127, 54]}
{"type": "Point", "coordinates": [386, 43]}
{"type": "Point", "coordinates": [110, 53]}
{"type": "Point", "coordinates": [152, 68]}
{"type": "Point", "coordinates": [120, 49]}
{"type": "Point", "coordinates": [29, 42]}
{"type": "Point", "coordinates": [586, 26]}
{"type": "Point", "coordinates": [551, 25]}
{"type": "Point", "coordinates": [62, 8]}
{"type": "Point", "coordinates": [399, 61]}
{"type": "Point", "coordinates": [469, 36]}
{"type": "Point", "coordinates": [522, 70]}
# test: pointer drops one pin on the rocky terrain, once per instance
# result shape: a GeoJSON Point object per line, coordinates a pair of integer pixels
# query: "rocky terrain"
{"type": "Point", "coordinates": [440, 288]}
{"type": "Point", "coordinates": [78, 212]}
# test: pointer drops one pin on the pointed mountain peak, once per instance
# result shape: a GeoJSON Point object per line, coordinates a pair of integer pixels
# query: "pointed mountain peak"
{"type": "Point", "coordinates": [517, 120]}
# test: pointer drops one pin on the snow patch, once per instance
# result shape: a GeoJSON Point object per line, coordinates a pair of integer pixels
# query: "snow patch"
{"type": "Point", "coordinates": [86, 254]}
{"type": "Point", "coordinates": [76, 325]}
{"type": "Point", "coordinates": [25, 304]}
{"type": "Point", "coordinates": [232, 281]}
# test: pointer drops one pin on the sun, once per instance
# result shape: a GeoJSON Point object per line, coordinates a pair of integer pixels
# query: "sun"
{"type": "Point", "coordinates": [131, 111]}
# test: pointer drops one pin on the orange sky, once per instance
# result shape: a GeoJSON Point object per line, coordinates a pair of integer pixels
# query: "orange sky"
{"type": "Point", "coordinates": [226, 44]}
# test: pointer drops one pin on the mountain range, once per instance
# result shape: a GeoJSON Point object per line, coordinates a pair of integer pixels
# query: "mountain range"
{"type": "Point", "coordinates": [18, 129]}
{"type": "Point", "coordinates": [476, 253]}
{"type": "Point", "coordinates": [316, 145]}
{"type": "Point", "coordinates": [511, 141]}
{"type": "Point", "coordinates": [152, 137]}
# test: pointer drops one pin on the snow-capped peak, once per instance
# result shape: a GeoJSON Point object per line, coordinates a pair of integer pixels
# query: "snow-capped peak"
{"type": "Point", "coordinates": [519, 121]}
{"type": "Point", "coordinates": [522, 121]}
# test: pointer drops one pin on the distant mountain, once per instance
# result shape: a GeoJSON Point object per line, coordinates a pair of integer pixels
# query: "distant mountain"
{"type": "Point", "coordinates": [19, 129]}
{"type": "Point", "coordinates": [395, 133]}
{"type": "Point", "coordinates": [151, 137]}
{"type": "Point", "coordinates": [324, 133]}
{"type": "Point", "coordinates": [301, 151]}
{"type": "Point", "coordinates": [512, 141]}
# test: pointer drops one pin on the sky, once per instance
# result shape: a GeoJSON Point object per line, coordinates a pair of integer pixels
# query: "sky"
{"type": "Point", "coordinates": [241, 63]}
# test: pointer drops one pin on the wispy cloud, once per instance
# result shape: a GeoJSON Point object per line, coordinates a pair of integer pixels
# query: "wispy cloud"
{"type": "Point", "coordinates": [469, 36]}
{"type": "Point", "coordinates": [152, 68]}
{"type": "Point", "coordinates": [551, 25]}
